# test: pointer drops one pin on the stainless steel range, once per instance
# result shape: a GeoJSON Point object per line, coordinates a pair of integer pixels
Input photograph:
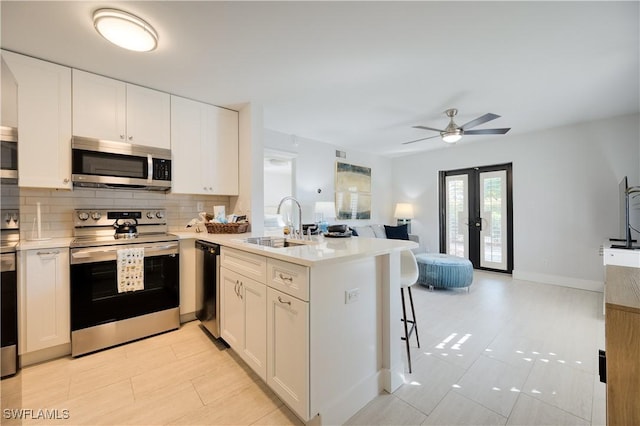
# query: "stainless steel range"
{"type": "Point", "coordinates": [124, 277]}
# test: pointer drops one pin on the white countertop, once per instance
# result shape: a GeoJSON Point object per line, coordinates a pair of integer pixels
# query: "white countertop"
{"type": "Point", "coordinates": [318, 250]}
{"type": "Point", "coordinates": [44, 244]}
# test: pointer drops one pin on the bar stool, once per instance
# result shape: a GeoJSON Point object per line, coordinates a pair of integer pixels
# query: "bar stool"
{"type": "Point", "coordinates": [408, 277]}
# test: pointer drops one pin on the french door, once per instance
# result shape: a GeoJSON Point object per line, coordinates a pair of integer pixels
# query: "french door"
{"type": "Point", "coordinates": [476, 216]}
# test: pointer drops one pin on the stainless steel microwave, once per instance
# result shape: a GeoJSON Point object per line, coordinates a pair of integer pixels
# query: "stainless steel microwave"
{"type": "Point", "coordinates": [9, 154]}
{"type": "Point", "coordinates": [119, 165]}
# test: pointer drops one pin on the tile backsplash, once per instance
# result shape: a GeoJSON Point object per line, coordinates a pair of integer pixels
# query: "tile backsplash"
{"type": "Point", "coordinates": [56, 207]}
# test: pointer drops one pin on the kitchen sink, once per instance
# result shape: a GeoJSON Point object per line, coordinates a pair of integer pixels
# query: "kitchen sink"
{"type": "Point", "coordinates": [276, 242]}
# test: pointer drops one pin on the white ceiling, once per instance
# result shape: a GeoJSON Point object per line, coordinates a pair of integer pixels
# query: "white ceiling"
{"type": "Point", "coordinates": [360, 74]}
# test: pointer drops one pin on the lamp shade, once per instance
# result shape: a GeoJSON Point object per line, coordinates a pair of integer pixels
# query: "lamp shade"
{"type": "Point", "coordinates": [403, 211]}
{"type": "Point", "coordinates": [326, 208]}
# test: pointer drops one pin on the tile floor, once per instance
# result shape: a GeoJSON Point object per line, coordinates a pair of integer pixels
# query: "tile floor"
{"type": "Point", "coordinates": [509, 352]}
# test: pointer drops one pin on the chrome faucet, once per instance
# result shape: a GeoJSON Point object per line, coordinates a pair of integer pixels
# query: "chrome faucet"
{"type": "Point", "coordinates": [299, 232]}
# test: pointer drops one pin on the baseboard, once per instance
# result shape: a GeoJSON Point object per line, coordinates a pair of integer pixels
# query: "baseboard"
{"type": "Point", "coordinates": [191, 316]}
{"type": "Point", "coordinates": [43, 355]}
{"type": "Point", "coordinates": [559, 280]}
{"type": "Point", "coordinates": [341, 408]}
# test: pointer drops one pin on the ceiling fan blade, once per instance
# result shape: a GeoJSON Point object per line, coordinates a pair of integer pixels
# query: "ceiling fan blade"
{"type": "Point", "coordinates": [487, 131]}
{"type": "Point", "coordinates": [422, 139]}
{"type": "Point", "coordinates": [480, 120]}
{"type": "Point", "coordinates": [427, 128]}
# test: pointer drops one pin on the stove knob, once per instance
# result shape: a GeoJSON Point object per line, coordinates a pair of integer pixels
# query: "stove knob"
{"type": "Point", "coordinates": [149, 215]}
{"type": "Point", "coordinates": [96, 215]}
{"type": "Point", "coordinates": [159, 215]}
{"type": "Point", "coordinates": [83, 215]}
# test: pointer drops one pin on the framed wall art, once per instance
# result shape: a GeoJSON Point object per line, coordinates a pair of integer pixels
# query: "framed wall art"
{"type": "Point", "coordinates": [353, 191]}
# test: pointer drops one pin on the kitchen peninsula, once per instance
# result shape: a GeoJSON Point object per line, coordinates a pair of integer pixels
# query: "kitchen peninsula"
{"type": "Point", "coordinates": [330, 342]}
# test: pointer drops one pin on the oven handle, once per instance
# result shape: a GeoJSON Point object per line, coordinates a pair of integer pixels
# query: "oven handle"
{"type": "Point", "coordinates": [110, 253]}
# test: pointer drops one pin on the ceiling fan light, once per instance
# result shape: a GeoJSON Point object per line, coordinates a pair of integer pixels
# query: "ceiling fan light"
{"type": "Point", "coordinates": [125, 30]}
{"type": "Point", "coordinates": [452, 137]}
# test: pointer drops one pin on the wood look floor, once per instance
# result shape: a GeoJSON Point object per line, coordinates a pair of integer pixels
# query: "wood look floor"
{"type": "Point", "coordinates": [509, 352]}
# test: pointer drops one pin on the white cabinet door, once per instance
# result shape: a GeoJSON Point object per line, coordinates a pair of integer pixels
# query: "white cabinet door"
{"type": "Point", "coordinates": [187, 276]}
{"type": "Point", "coordinates": [44, 122]}
{"type": "Point", "coordinates": [148, 117]}
{"type": "Point", "coordinates": [45, 310]}
{"type": "Point", "coordinates": [187, 133]}
{"type": "Point", "coordinates": [243, 310]}
{"type": "Point", "coordinates": [221, 167]}
{"type": "Point", "coordinates": [204, 145]}
{"type": "Point", "coordinates": [254, 352]}
{"type": "Point", "coordinates": [232, 322]}
{"type": "Point", "coordinates": [99, 107]}
{"type": "Point", "coordinates": [104, 108]}
{"type": "Point", "coordinates": [288, 350]}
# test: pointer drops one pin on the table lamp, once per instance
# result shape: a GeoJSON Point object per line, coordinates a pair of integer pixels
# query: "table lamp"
{"type": "Point", "coordinates": [404, 214]}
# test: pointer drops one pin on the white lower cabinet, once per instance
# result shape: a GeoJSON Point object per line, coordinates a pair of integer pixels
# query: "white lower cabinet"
{"type": "Point", "coordinates": [288, 350]}
{"type": "Point", "coordinates": [265, 324]}
{"type": "Point", "coordinates": [243, 306]}
{"type": "Point", "coordinates": [254, 351]}
{"type": "Point", "coordinates": [44, 299]}
{"type": "Point", "coordinates": [187, 278]}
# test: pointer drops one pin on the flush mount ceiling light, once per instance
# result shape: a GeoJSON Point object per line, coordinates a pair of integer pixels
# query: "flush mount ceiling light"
{"type": "Point", "coordinates": [125, 30]}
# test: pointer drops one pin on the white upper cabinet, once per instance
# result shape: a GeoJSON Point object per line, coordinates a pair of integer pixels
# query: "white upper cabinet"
{"type": "Point", "coordinates": [44, 122]}
{"type": "Point", "coordinates": [204, 146]}
{"type": "Point", "coordinates": [148, 117]}
{"type": "Point", "coordinates": [104, 108]}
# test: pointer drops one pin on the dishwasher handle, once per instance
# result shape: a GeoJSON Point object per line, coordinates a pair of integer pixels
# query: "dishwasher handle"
{"type": "Point", "coordinates": [208, 247]}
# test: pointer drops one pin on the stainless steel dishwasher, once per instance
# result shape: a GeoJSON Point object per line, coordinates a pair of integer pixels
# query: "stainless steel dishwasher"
{"type": "Point", "coordinates": [207, 286]}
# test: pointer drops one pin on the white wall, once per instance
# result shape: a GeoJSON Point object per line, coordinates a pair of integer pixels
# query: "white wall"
{"type": "Point", "coordinates": [315, 169]}
{"type": "Point", "coordinates": [565, 193]}
{"type": "Point", "coordinates": [250, 201]}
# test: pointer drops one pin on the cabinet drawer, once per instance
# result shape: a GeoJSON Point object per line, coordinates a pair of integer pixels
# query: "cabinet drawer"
{"type": "Point", "coordinates": [248, 264]}
{"type": "Point", "coordinates": [289, 278]}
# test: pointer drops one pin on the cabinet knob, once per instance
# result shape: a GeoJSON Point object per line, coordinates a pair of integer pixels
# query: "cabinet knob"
{"type": "Point", "coordinates": [121, 136]}
{"type": "Point", "coordinates": [65, 180]}
{"type": "Point", "coordinates": [130, 138]}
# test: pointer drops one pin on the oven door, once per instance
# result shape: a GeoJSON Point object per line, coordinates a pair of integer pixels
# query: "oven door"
{"type": "Point", "coordinates": [95, 299]}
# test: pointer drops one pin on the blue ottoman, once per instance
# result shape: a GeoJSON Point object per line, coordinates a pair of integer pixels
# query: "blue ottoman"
{"type": "Point", "coordinates": [444, 271]}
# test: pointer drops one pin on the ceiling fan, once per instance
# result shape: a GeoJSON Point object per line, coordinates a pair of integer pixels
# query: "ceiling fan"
{"type": "Point", "coordinates": [453, 133]}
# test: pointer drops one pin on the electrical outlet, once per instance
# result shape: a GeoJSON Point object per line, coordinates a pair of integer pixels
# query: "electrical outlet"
{"type": "Point", "coordinates": [199, 206]}
{"type": "Point", "coordinates": [351, 296]}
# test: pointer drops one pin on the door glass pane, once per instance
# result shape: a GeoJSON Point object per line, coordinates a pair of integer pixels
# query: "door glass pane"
{"type": "Point", "coordinates": [493, 237]}
{"type": "Point", "coordinates": [457, 212]}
